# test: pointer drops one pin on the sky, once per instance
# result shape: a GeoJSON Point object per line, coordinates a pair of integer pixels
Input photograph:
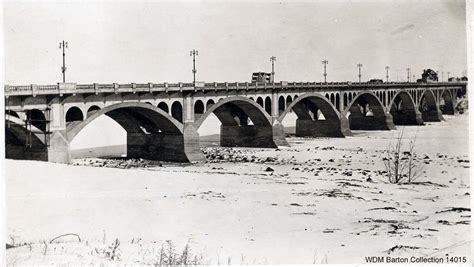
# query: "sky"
{"type": "Point", "coordinates": [150, 41]}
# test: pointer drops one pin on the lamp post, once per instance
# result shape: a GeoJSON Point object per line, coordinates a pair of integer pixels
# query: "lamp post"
{"type": "Point", "coordinates": [386, 70]}
{"type": "Point", "coordinates": [408, 74]}
{"type": "Point", "coordinates": [325, 62]}
{"type": "Point", "coordinates": [194, 53]}
{"type": "Point", "coordinates": [273, 59]}
{"type": "Point", "coordinates": [63, 45]}
{"type": "Point", "coordinates": [359, 65]}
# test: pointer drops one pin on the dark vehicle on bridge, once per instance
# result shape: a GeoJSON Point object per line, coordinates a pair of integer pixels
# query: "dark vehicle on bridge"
{"type": "Point", "coordinates": [456, 79]}
{"type": "Point", "coordinates": [262, 77]}
{"type": "Point", "coordinates": [376, 81]}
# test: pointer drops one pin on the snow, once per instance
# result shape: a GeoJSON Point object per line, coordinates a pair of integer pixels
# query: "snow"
{"type": "Point", "coordinates": [308, 210]}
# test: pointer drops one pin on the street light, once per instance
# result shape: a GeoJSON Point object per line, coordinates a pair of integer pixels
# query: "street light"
{"type": "Point", "coordinates": [325, 62]}
{"type": "Point", "coordinates": [359, 65]}
{"type": "Point", "coordinates": [273, 59]}
{"type": "Point", "coordinates": [386, 69]}
{"type": "Point", "coordinates": [194, 53]}
{"type": "Point", "coordinates": [408, 74]}
{"type": "Point", "coordinates": [63, 45]}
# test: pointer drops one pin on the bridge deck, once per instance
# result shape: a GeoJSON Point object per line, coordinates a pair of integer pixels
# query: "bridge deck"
{"type": "Point", "coordinates": [95, 88]}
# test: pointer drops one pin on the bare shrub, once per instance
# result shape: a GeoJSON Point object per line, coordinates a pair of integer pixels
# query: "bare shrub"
{"type": "Point", "coordinates": [112, 252]}
{"type": "Point", "coordinates": [168, 256]}
{"type": "Point", "coordinates": [402, 166]}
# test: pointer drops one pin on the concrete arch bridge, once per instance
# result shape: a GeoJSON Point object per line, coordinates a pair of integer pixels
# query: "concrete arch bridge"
{"type": "Point", "coordinates": [162, 120]}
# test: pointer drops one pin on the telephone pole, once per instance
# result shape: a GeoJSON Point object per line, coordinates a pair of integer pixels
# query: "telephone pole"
{"type": "Point", "coordinates": [325, 62]}
{"type": "Point", "coordinates": [273, 59]}
{"type": "Point", "coordinates": [386, 70]}
{"type": "Point", "coordinates": [359, 65]}
{"type": "Point", "coordinates": [63, 45]}
{"type": "Point", "coordinates": [194, 53]}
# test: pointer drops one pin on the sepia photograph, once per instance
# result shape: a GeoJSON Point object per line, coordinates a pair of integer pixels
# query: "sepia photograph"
{"type": "Point", "coordinates": [162, 133]}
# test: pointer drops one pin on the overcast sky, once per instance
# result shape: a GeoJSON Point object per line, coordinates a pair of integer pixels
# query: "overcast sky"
{"type": "Point", "coordinates": [150, 42]}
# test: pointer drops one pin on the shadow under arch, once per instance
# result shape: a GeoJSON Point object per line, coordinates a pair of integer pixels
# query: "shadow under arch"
{"type": "Point", "coordinates": [429, 108]}
{"type": "Point", "coordinates": [21, 143]}
{"type": "Point", "coordinates": [447, 102]}
{"type": "Point", "coordinates": [151, 132]}
{"type": "Point", "coordinates": [403, 109]}
{"type": "Point", "coordinates": [366, 112]}
{"type": "Point", "coordinates": [317, 117]}
{"type": "Point", "coordinates": [244, 123]}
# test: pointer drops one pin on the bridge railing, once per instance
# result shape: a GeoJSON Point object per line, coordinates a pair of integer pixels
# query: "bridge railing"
{"type": "Point", "coordinates": [72, 88]}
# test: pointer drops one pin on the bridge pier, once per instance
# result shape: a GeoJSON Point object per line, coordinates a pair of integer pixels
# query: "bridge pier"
{"type": "Point", "coordinates": [409, 117]}
{"type": "Point", "coordinates": [449, 108]}
{"type": "Point", "coordinates": [432, 115]}
{"type": "Point", "coordinates": [278, 132]}
{"type": "Point", "coordinates": [247, 136]}
{"type": "Point", "coordinates": [358, 121]}
{"type": "Point", "coordinates": [59, 149]}
{"type": "Point", "coordinates": [320, 128]}
{"type": "Point", "coordinates": [164, 147]}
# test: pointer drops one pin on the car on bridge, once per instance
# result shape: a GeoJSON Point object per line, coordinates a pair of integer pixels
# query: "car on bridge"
{"type": "Point", "coordinates": [376, 81]}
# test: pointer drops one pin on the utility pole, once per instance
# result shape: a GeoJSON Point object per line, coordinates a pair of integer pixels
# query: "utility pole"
{"type": "Point", "coordinates": [325, 62]}
{"type": "Point", "coordinates": [359, 65]}
{"type": "Point", "coordinates": [408, 74]}
{"type": "Point", "coordinates": [194, 53]}
{"type": "Point", "coordinates": [386, 69]}
{"type": "Point", "coordinates": [273, 59]}
{"type": "Point", "coordinates": [63, 45]}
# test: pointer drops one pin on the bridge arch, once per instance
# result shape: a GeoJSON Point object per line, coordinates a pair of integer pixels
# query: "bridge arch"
{"type": "Point", "coordinates": [403, 109]}
{"type": "Point", "coordinates": [21, 143]}
{"type": "Point", "coordinates": [281, 104]}
{"type": "Point", "coordinates": [447, 102]}
{"type": "Point", "coordinates": [429, 107]}
{"type": "Point", "coordinates": [163, 106]}
{"type": "Point", "coordinates": [288, 101]}
{"type": "Point", "coordinates": [74, 114]}
{"type": "Point", "coordinates": [37, 118]}
{"type": "Point", "coordinates": [366, 112]}
{"type": "Point", "coordinates": [260, 101]}
{"type": "Point", "coordinates": [209, 103]}
{"type": "Point", "coordinates": [92, 109]}
{"type": "Point", "coordinates": [151, 132]}
{"type": "Point", "coordinates": [198, 108]}
{"type": "Point", "coordinates": [177, 111]}
{"type": "Point", "coordinates": [268, 105]}
{"type": "Point", "coordinates": [316, 117]}
{"type": "Point", "coordinates": [244, 123]}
